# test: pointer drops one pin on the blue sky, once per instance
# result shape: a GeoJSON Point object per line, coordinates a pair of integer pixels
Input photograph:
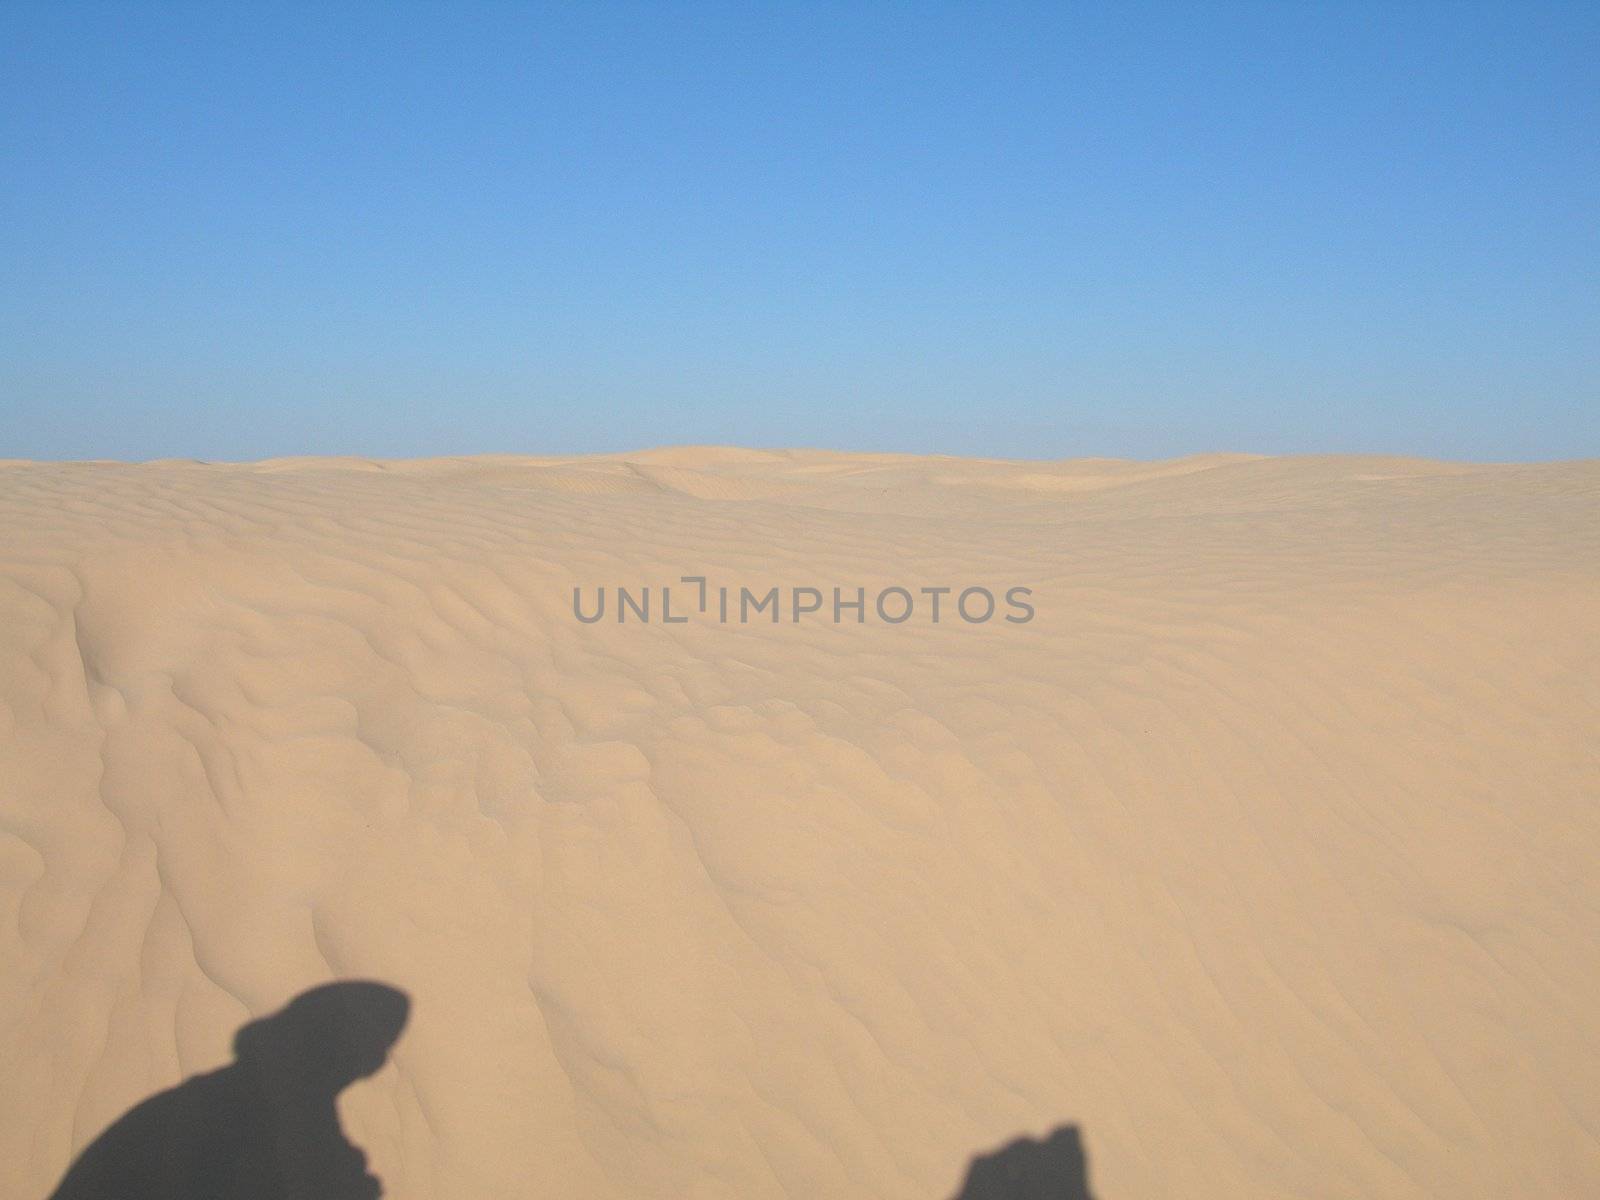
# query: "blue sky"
{"type": "Point", "coordinates": [236, 231]}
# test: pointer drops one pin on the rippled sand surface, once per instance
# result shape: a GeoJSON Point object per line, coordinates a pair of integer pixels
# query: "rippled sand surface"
{"type": "Point", "coordinates": [1264, 854]}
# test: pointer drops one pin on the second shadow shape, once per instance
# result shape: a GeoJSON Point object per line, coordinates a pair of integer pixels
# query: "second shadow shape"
{"type": "Point", "coordinates": [265, 1127]}
{"type": "Point", "coordinates": [1054, 1168]}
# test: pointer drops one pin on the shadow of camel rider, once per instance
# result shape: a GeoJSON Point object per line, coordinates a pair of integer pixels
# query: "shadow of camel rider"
{"type": "Point", "coordinates": [265, 1127]}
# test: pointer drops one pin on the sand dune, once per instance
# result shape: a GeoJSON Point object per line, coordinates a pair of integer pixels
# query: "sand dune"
{"type": "Point", "coordinates": [1263, 855]}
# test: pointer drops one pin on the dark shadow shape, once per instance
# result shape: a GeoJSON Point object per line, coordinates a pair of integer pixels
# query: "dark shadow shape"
{"type": "Point", "coordinates": [263, 1128]}
{"type": "Point", "coordinates": [1056, 1168]}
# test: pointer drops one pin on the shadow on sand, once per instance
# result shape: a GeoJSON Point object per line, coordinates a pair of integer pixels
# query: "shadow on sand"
{"type": "Point", "coordinates": [265, 1126]}
{"type": "Point", "coordinates": [1056, 1168]}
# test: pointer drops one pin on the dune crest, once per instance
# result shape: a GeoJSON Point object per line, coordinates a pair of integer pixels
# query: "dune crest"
{"type": "Point", "coordinates": [1258, 863]}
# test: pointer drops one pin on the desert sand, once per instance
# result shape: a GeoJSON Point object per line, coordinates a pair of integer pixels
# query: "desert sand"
{"type": "Point", "coordinates": [1263, 855]}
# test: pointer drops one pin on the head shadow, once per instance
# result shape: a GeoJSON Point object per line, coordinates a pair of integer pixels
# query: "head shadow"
{"type": "Point", "coordinates": [265, 1127]}
{"type": "Point", "coordinates": [1052, 1168]}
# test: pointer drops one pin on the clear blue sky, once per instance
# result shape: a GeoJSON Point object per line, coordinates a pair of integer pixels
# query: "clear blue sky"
{"type": "Point", "coordinates": [235, 231]}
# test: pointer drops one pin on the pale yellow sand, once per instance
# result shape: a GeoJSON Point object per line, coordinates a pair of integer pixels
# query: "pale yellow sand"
{"type": "Point", "coordinates": [1268, 853]}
